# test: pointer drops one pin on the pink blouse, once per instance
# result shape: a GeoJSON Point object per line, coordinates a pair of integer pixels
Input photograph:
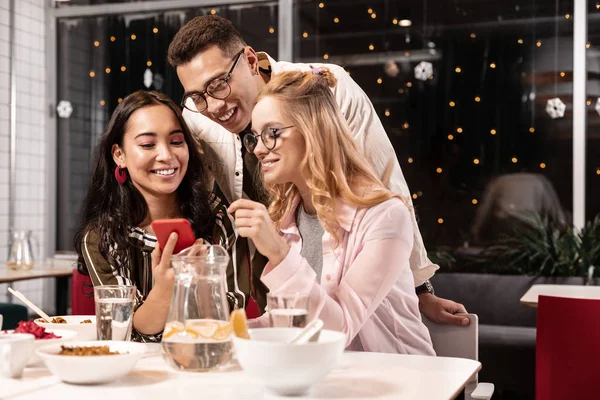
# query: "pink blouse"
{"type": "Point", "coordinates": [367, 288]}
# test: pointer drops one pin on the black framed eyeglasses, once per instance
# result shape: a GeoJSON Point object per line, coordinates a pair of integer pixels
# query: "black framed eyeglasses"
{"type": "Point", "coordinates": [268, 136]}
{"type": "Point", "coordinates": [217, 88]}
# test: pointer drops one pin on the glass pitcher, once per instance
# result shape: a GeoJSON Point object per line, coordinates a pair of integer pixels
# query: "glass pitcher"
{"type": "Point", "coordinates": [198, 334]}
{"type": "Point", "coordinates": [20, 256]}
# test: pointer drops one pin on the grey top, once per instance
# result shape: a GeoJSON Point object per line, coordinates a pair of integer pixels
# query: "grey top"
{"type": "Point", "coordinates": [311, 232]}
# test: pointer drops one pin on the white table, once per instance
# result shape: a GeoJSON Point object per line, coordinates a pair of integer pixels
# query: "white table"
{"type": "Point", "coordinates": [359, 376]}
{"type": "Point", "coordinates": [61, 273]}
{"type": "Point", "coordinates": [572, 291]}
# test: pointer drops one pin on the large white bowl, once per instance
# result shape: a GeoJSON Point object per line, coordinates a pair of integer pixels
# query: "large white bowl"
{"type": "Point", "coordinates": [92, 369]}
{"type": "Point", "coordinates": [64, 337]}
{"type": "Point", "coordinates": [288, 369]}
{"type": "Point", "coordinates": [84, 331]}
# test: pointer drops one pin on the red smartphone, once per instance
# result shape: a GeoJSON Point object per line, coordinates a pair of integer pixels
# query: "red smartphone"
{"type": "Point", "coordinates": [164, 227]}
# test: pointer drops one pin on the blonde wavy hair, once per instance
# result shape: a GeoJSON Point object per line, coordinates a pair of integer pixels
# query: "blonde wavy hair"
{"type": "Point", "coordinates": [333, 167]}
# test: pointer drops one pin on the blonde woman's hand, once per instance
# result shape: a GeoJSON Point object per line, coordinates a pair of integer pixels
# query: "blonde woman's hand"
{"type": "Point", "coordinates": [163, 274]}
{"type": "Point", "coordinates": [253, 221]}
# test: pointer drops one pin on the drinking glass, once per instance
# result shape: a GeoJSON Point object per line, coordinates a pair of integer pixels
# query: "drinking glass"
{"type": "Point", "coordinates": [287, 310]}
{"type": "Point", "coordinates": [114, 311]}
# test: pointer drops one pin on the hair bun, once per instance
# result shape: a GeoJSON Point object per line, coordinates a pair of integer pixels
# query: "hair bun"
{"type": "Point", "coordinates": [324, 75]}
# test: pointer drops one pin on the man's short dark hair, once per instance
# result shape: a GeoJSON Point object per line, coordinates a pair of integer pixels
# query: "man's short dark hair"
{"type": "Point", "coordinates": [201, 33]}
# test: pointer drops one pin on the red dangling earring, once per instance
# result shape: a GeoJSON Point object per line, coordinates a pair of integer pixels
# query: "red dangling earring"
{"type": "Point", "coordinates": [120, 175]}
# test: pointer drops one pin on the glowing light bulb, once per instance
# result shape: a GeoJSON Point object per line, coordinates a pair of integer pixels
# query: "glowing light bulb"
{"type": "Point", "coordinates": [92, 74]}
{"type": "Point", "coordinates": [450, 137]}
{"type": "Point", "coordinates": [96, 43]}
{"type": "Point", "coordinates": [107, 70]}
{"type": "Point", "coordinates": [492, 131]}
{"type": "Point", "coordinates": [474, 201]}
{"type": "Point", "coordinates": [452, 104]}
{"type": "Point", "coordinates": [458, 70]}
{"type": "Point", "coordinates": [148, 63]}
{"type": "Point", "coordinates": [133, 37]}
{"type": "Point", "coordinates": [102, 102]}
{"type": "Point", "coordinates": [155, 30]}
{"type": "Point", "coordinates": [476, 161]}
{"type": "Point", "coordinates": [439, 170]}
{"type": "Point", "coordinates": [440, 221]}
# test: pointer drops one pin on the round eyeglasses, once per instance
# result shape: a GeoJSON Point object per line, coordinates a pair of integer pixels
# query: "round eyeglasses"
{"type": "Point", "coordinates": [268, 136]}
{"type": "Point", "coordinates": [217, 89]}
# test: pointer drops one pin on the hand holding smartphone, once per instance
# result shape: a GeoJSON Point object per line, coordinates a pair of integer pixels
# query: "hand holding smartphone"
{"type": "Point", "coordinates": [181, 226]}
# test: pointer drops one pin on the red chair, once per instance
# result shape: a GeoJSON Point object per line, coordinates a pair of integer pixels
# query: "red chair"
{"type": "Point", "coordinates": [82, 294]}
{"type": "Point", "coordinates": [567, 348]}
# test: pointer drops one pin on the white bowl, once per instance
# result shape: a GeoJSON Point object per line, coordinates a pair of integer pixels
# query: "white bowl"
{"type": "Point", "coordinates": [288, 369]}
{"type": "Point", "coordinates": [92, 369]}
{"type": "Point", "coordinates": [84, 331]}
{"type": "Point", "coordinates": [65, 337]}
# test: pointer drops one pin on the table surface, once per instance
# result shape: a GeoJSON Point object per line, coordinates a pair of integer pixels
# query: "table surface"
{"type": "Point", "coordinates": [572, 291]}
{"type": "Point", "coordinates": [358, 376]}
{"type": "Point", "coordinates": [38, 271]}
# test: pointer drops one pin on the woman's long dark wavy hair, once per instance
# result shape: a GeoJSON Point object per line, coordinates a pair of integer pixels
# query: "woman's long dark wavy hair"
{"type": "Point", "coordinates": [112, 209]}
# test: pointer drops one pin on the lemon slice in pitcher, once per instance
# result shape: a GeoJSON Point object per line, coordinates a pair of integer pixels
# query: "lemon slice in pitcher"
{"type": "Point", "coordinates": [239, 323]}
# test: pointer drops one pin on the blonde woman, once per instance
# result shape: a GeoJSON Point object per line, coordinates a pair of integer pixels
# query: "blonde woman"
{"type": "Point", "coordinates": [332, 228]}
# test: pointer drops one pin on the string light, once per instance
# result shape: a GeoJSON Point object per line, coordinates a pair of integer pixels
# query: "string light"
{"type": "Point", "coordinates": [474, 201]}
{"type": "Point", "coordinates": [371, 47]}
{"type": "Point", "coordinates": [414, 196]}
{"type": "Point", "coordinates": [419, 193]}
{"type": "Point", "coordinates": [459, 129]}
{"type": "Point", "coordinates": [213, 11]}
{"type": "Point", "coordinates": [373, 15]}
{"type": "Point", "coordinates": [379, 81]}
{"type": "Point", "coordinates": [542, 165]}
{"type": "Point", "coordinates": [452, 104]}
{"type": "Point", "coordinates": [492, 132]}
{"type": "Point", "coordinates": [102, 102]}
{"type": "Point", "coordinates": [477, 99]}
{"type": "Point", "coordinates": [123, 68]}
{"type": "Point", "coordinates": [472, 36]}
{"type": "Point", "coordinates": [112, 38]}
{"type": "Point", "coordinates": [567, 15]}
{"type": "Point", "coordinates": [514, 160]}
{"type": "Point", "coordinates": [305, 35]}
{"type": "Point", "coordinates": [395, 21]}
{"type": "Point", "coordinates": [405, 125]}
{"type": "Point", "coordinates": [96, 43]}
{"type": "Point", "coordinates": [589, 102]}
{"type": "Point", "coordinates": [321, 5]}
{"type": "Point", "coordinates": [133, 37]}
{"type": "Point", "coordinates": [438, 170]}
{"type": "Point", "coordinates": [408, 84]}
{"type": "Point", "coordinates": [155, 30]}
{"type": "Point", "coordinates": [597, 171]}
{"type": "Point", "coordinates": [410, 160]}
{"type": "Point", "coordinates": [520, 41]}
{"type": "Point", "coordinates": [370, 11]}
{"type": "Point", "coordinates": [401, 91]}
{"type": "Point", "coordinates": [149, 63]}
{"type": "Point", "coordinates": [92, 74]}
{"type": "Point", "coordinates": [538, 43]}
{"type": "Point", "coordinates": [457, 70]}
{"type": "Point", "coordinates": [588, 45]}
{"type": "Point", "coordinates": [450, 137]}
{"type": "Point", "coordinates": [597, 6]}
{"type": "Point", "coordinates": [387, 113]}
{"type": "Point", "coordinates": [476, 161]}
{"type": "Point", "coordinates": [107, 70]}
{"type": "Point", "coordinates": [562, 74]}
{"type": "Point", "coordinates": [271, 30]}
{"type": "Point", "coordinates": [440, 221]}
{"type": "Point", "coordinates": [326, 56]}
{"type": "Point", "coordinates": [531, 129]}
{"type": "Point", "coordinates": [119, 100]}
{"type": "Point", "coordinates": [336, 20]}
{"type": "Point", "coordinates": [348, 72]}
{"type": "Point", "coordinates": [493, 65]}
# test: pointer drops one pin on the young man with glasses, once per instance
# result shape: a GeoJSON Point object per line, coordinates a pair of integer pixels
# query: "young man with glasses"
{"type": "Point", "coordinates": [222, 77]}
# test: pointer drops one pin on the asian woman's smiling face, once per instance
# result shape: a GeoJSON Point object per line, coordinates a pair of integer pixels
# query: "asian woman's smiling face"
{"type": "Point", "coordinates": [153, 151]}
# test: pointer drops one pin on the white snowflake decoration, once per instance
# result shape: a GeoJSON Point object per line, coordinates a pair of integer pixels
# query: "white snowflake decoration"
{"type": "Point", "coordinates": [556, 108]}
{"type": "Point", "coordinates": [64, 109]}
{"type": "Point", "coordinates": [148, 78]}
{"type": "Point", "coordinates": [597, 107]}
{"type": "Point", "coordinates": [424, 70]}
